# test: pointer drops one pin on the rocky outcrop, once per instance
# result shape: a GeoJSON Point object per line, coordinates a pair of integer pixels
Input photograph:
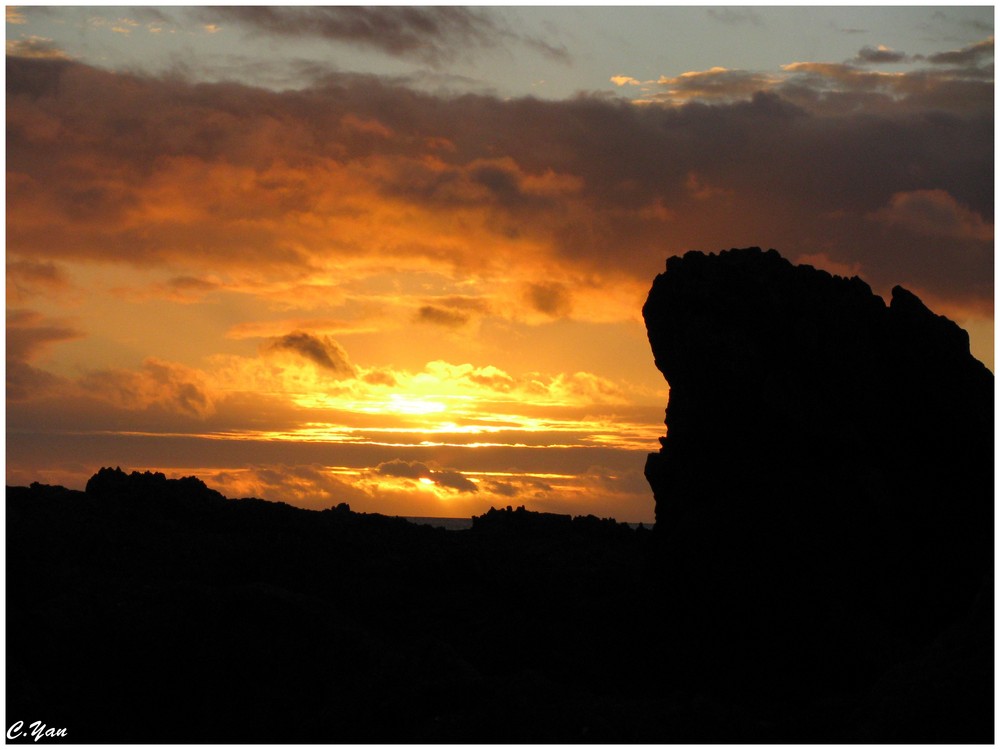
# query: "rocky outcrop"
{"type": "Point", "coordinates": [150, 486]}
{"type": "Point", "coordinates": [824, 493]}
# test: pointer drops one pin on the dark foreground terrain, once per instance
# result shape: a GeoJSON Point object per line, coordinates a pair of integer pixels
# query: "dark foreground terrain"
{"type": "Point", "coordinates": [154, 610]}
{"type": "Point", "coordinates": [820, 570]}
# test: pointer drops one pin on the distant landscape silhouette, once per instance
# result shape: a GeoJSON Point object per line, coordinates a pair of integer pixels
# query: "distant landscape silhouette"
{"type": "Point", "coordinates": [820, 569]}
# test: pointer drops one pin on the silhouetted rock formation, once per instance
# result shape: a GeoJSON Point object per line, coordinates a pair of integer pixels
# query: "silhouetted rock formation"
{"type": "Point", "coordinates": [149, 487]}
{"type": "Point", "coordinates": [824, 494]}
{"type": "Point", "coordinates": [521, 521]}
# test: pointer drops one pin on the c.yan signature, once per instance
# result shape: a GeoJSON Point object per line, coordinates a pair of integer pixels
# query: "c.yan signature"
{"type": "Point", "coordinates": [38, 730]}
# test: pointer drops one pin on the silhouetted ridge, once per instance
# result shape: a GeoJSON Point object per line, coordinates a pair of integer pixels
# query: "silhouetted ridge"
{"type": "Point", "coordinates": [521, 521]}
{"type": "Point", "coordinates": [824, 494]}
{"type": "Point", "coordinates": [110, 483]}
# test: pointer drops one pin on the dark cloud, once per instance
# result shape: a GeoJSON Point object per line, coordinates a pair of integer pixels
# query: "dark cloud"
{"type": "Point", "coordinates": [405, 469]}
{"type": "Point", "coordinates": [459, 302]}
{"type": "Point", "coordinates": [936, 214]}
{"type": "Point", "coordinates": [322, 351]}
{"type": "Point", "coordinates": [454, 480]}
{"type": "Point", "coordinates": [378, 377]}
{"type": "Point", "coordinates": [820, 76]}
{"type": "Point", "coordinates": [827, 88]}
{"type": "Point", "coordinates": [182, 289]}
{"type": "Point", "coordinates": [500, 181]}
{"type": "Point", "coordinates": [721, 84]}
{"type": "Point", "coordinates": [526, 487]}
{"type": "Point", "coordinates": [27, 279]}
{"type": "Point", "coordinates": [441, 316]}
{"type": "Point", "coordinates": [45, 273]}
{"type": "Point", "coordinates": [735, 16]}
{"type": "Point", "coordinates": [416, 470]}
{"type": "Point", "coordinates": [26, 382]}
{"type": "Point", "coordinates": [552, 51]}
{"type": "Point", "coordinates": [30, 332]}
{"type": "Point", "coordinates": [879, 55]}
{"type": "Point", "coordinates": [551, 298]}
{"type": "Point", "coordinates": [192, 284]}
{"type": "Point", "coordinates": [492, 378]}
{"type": "Point", "coordinates": [444, 83]}
{"type": "Point", "coordinates": [157, 384]}
{"type": "Point", "coordinates": [502, 488]}
{"type": "Point", "coordinates": [187, 395]}
{"type": "Point", "coordinates": [609, 480]}
{"type": "Point", "coordinates": [971, 55]}
{"type": "Point", "coordinates": [431, 35]}
{"type": "Point", "coordinates": [979, 26]}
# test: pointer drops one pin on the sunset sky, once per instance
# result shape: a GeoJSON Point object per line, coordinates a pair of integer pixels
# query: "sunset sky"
{"type": "Point", "coordinates": [396, 256]}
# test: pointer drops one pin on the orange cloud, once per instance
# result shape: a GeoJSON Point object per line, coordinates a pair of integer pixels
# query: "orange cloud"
{"type": "Point", "coordinates": [715, 84]}
{"type": "Point", "coordinates": [33, 47]}
{"type": "Point", "coordinates": [441, 316]}
{"type": "Point", "coordinates": [844, 73]}
{"type": "Point", "coordinates": [352, 122]}
{"type": "Point", "coordinates": [158, 384]}
{"type": "Point", "coordinates": [29, 333]}
{"type": "Point", "coordinates": [934, 213]}
{"type": "Point", "coordinates": [625, 81]}
{"type": "Point", "coordinates": [28, 280]}
{"type": "Point", "coordinates": [232, 183]}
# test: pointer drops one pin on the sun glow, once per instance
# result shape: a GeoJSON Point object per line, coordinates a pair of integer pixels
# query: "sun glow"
{"type": "Point", "coordinates": [400, 404]}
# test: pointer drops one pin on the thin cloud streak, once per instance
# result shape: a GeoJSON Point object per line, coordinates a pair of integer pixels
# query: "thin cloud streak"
{"type": "Point", "coordinates": [971, 55]}
{"type": "Point", "coordinates": [433, 35]}
{"type": "Point", "coordinates": [880, 55]}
